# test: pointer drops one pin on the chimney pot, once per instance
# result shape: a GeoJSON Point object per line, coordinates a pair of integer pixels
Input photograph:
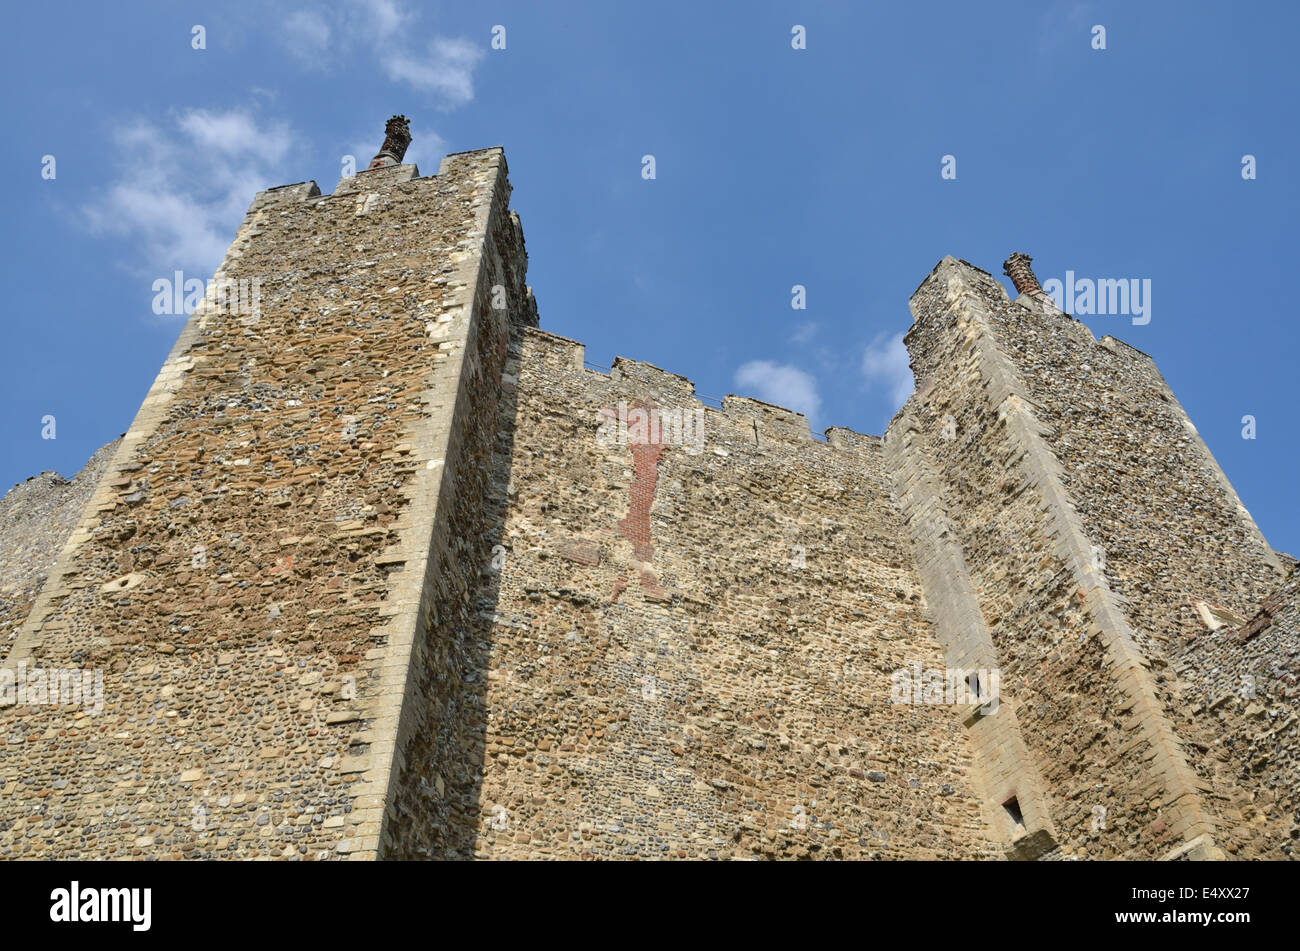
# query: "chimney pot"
{"type": "Point", "coordinates": [397, 137]}
{"type": "Point", "coordinates": [1017, 268]}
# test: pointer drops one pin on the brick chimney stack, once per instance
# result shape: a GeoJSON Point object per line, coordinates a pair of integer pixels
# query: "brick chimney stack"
{"type": "Point", "coordinates": [1017, 268]}
{"type": "Point", "coordinates": [397, 136]}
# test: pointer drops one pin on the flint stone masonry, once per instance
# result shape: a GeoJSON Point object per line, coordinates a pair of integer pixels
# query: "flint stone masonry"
{"type": "Point", "coordinates": [368, 578]}
{"type": "Point", "coordinates": [275, 503]}
{"type": "Point", "coordinates": [1243, 692]}
{"type": "Point", "coordinates": [1018, 411]}
{"type": "Point", "coordinates": [36, 518]}
{"type": "Point", "coordinates": [717, 683]}
{"type": "Point", "coordinates": [1165, 523]}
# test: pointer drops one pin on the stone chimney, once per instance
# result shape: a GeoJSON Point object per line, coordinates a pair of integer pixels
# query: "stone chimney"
{"type": "Point", "coordinates": [397, 136]}
{"type": "Point", "coordinates": [1017, 268]}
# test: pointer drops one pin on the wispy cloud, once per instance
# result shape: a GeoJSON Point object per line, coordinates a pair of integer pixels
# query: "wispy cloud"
{"type": "Point", "coordinates": [884, 364]}
{"type": "Point", "coordinates": [307, 35]}
{"type": "Point", "coordinates": [182, 188]}
{"type": "Point", "coordinates": [380, 18]}
{"type": "Point", "coordinates": [446, 70]}
{"type": "Point", "coordinates": [441, 67]}
{"type": "Point", "coordinates": [782, 385]}
{"type": "Point", "coordinates": [804, 332]}
{"type": "Point", "coordinates": [233, 134]}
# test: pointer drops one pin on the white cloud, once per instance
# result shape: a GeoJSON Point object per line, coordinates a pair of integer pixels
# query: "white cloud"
{"type": "Point", "coordinates": [781, 385]}
{"type": "Point", "coordinates": [884, 363]}
{"type": "Point", "coordinates": [804, 332]}
{"type": "Point", "coordinates": [447, 70]}
{"type": "Point", "coordinates": [234, 133]}
{"type": "Point", "coordinates": [182, 189]}
{"type": "Point", "coordinates": [380, 18]}
{"type": "Point", "coordinates": [443, 67]}
{"type": "Point", "coordinates": [307, 35]}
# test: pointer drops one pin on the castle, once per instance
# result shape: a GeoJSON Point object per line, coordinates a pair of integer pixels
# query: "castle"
{"type": "Point", "coordinates": [382, 570]}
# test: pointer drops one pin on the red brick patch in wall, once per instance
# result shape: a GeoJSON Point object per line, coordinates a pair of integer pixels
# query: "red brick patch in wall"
{"type": "Point", "coordinates": [582, 550]}
{"type": "Point", "coordinates": [636, 526]}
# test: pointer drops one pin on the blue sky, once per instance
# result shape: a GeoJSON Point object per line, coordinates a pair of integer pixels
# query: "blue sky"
{"type": "Point", "coordinates": [774, 167]}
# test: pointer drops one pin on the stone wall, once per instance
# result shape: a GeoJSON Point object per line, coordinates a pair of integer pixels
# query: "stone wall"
{"type": "Point", "coordinates": [1167, 528]}
{"type": "Point", "coordinates": [434, 785]}
{"type": "Point", "coordinates": [36, 518]}
{"type": "Point", "coordinates": [1249, 680]}
{"type": "Point", "coordinates": [380, 570]}
{"type": "Point", "coordinates": [1054, 481]}
{"type": "Point", "coordinates": [1168, 523]}
{"type": "Point", "coordinates": [241, 576]}
{"type": "Point", "coordinates": [1086, 711]}
{"type": "Point", "coordinates": [1011, 787]}
{"type": "Point", "coordinates": [692, 641]}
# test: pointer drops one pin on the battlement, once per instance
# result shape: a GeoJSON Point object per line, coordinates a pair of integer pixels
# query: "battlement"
{"type": "Point", "coordinates": [564, 352]}
{"type": "Point", "coordinates": [658, 384]}
{"type": "Point", "coordinates": [382, 177]}
{"type": "Point", "coordinates": [845, 438]}
{"type": "Point", "coordinates": [661, 388]}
